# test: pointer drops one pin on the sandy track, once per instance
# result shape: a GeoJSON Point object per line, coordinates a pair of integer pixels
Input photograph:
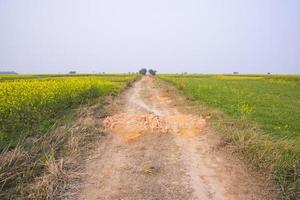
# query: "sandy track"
{"type": "Point", "coordinates": [154, 151]}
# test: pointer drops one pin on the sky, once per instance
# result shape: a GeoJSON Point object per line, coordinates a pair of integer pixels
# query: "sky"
{"type": "Point", "coordinates": [171, 36]}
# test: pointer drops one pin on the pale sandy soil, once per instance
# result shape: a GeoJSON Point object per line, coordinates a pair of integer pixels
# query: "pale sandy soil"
{"type": "Point", "coordinates": [154, 150]}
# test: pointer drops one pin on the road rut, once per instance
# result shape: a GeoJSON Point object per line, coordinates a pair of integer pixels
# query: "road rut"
{"type": "Point", "coordinates": [155, 151]}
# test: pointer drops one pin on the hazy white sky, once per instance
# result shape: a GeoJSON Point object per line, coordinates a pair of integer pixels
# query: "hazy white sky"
{"type": "Point", "coordinates": [203, 36]}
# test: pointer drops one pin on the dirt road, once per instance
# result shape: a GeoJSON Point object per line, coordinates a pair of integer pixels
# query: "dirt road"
{"type": "Point", "coordinates": [154, 150]}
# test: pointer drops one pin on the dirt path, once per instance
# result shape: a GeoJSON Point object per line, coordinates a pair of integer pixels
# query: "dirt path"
{"type": "Point", "coordinates": [155, 151]}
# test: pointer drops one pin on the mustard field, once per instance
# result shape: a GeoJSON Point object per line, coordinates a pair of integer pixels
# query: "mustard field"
{"type": "Point", "coordinates": [30, 104]}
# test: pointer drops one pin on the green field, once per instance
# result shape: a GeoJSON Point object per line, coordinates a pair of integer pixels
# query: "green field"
{"type": "Point", "coordinates": [30, 104]}
{"type": "Point", "coordinates": [270, 102]}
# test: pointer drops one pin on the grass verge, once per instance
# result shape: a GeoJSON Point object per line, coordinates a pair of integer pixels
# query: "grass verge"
{"type": "Point", "coordinates": [41, 168]}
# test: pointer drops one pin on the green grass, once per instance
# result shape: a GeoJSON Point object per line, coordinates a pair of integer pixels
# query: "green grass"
{"type": "Point", "coordinates": [271, 102]}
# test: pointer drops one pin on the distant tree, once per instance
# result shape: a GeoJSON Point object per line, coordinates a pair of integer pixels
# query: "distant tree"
{"type": "Point", "coordinates": [152, 72]}
{"type": "Point", "coordinates": [143, 71]}
{"type": "Point", "coordinates": [72, 72]}
{"type": "Point", "coordinates": [8, 72]}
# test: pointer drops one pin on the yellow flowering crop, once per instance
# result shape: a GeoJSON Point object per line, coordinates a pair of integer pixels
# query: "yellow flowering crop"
{"type": "Point", "coordinates": [26, 103]}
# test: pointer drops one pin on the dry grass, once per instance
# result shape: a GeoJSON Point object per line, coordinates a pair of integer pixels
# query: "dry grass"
{"type": "Point", "coordinates": [43, 168]}
{"type": "Point", "coordinates": [272, 158]}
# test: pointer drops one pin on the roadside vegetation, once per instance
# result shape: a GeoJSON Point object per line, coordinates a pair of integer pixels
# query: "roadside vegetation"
{"type": "Point", "coordinates": [260, 116]}
{"type": "Point", "coordinates": [35, 139]}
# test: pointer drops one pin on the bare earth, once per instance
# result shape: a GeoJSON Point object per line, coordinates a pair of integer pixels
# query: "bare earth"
{"type": "Point", "coordinates": [154, 150]}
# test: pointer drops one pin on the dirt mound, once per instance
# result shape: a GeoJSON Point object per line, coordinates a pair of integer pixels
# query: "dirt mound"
{"type": "Point", "coordinates": [131, 126]}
